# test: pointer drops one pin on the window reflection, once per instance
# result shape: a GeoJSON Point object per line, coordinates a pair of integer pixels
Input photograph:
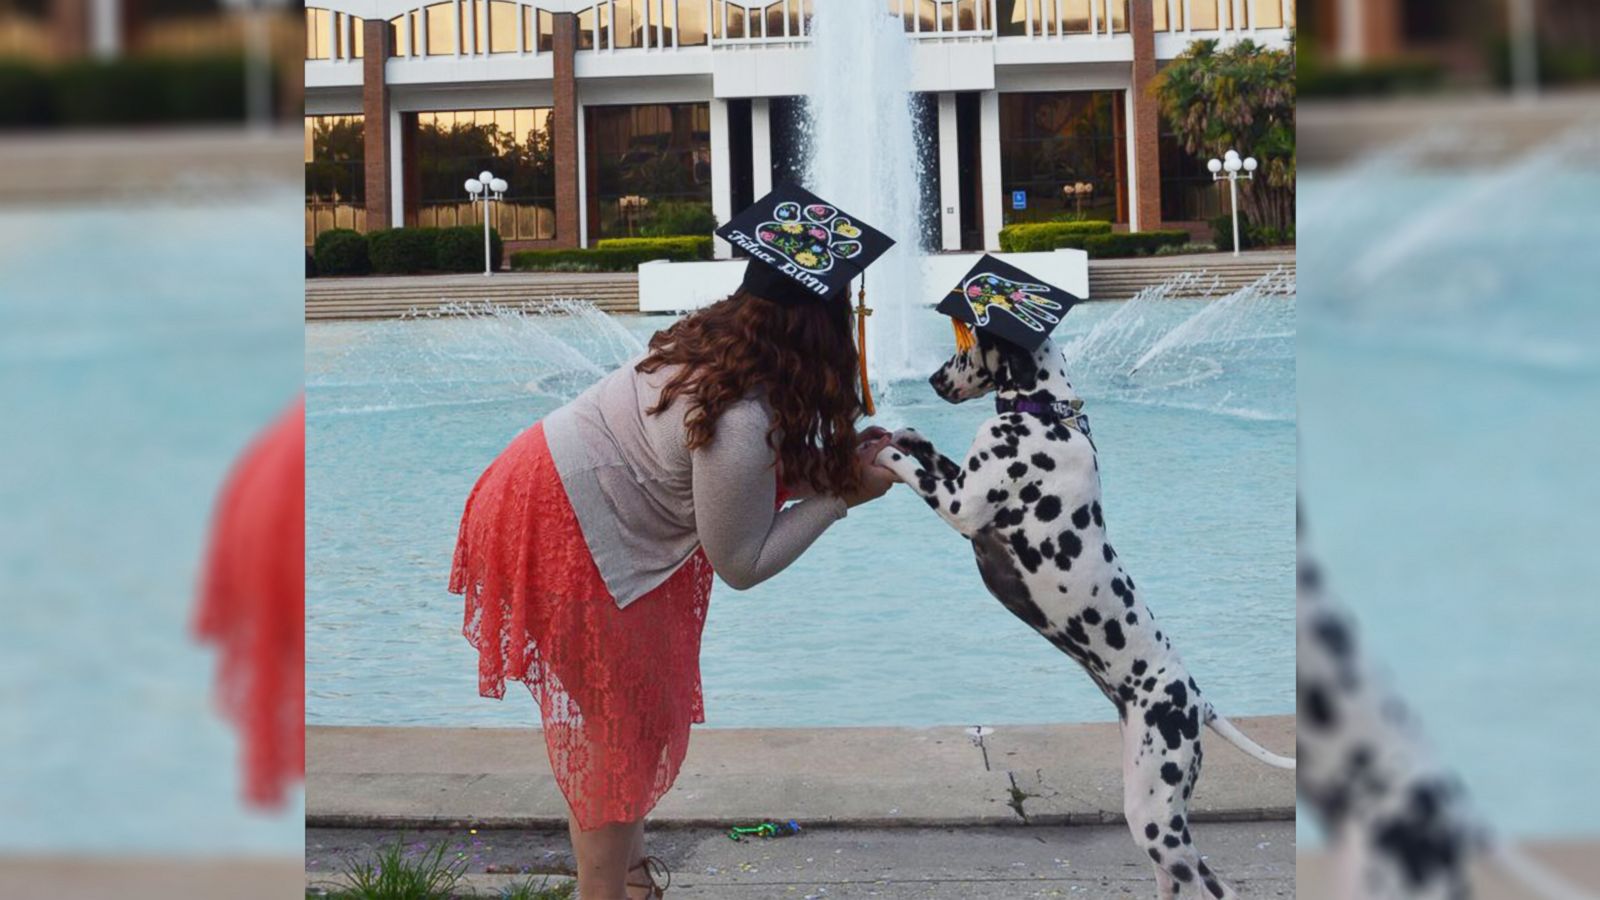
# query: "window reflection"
{"type": "Point", "coordinates": [1051, 141]}
{"type": "Point", "coordinates": [1011, 17]}
{"type": "Point", "coordinates": [502, 27]}
{"type": "Point", "coordinates": [649, 168]}
{"type": "Point", "coordinates": [1115, 12]}
{"type": "Point", "coordinates": [514, 144]}
{"type": "Point", "coordinates": [335, 153]}
{"type": "Point", "coordinates": [441, 31]}
{"type": "Point", "coordinates": [1203, 15]}
{"type": "Point", "coordinates": [1187, 192]}
{"type": "Point", "coordinates": [318, 34]}
{"type": "Point", "coordinates": [586, 20]}
{"type": "Point", "coordinates": [691, 23]}
{"type": "Point", "coordinates": [1269, 14]}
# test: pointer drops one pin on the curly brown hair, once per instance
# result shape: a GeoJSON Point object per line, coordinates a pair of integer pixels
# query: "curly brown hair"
{"type": "Point", "coordinates": [799, 354]}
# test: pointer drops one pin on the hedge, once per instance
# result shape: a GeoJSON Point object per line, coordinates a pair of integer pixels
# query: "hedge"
{"type": "Point", "coordinates": [1133, 243]}
{"type": "Point", "coordinates": [1029, 236]}
{"type": "Point", "coordinates": [615, 255]}
{"type": "Point", "coordinates": [341, 251]}
{"type": "Point", "coordinates": [405, 251]}
{"type": "Point", "coordinates": [127, 91]}
{"type": "Point", "coordinates": [697, 245]}
{"type": "Point", "coordinates": [460, 249]}
{"type": "Point", "coordinates": [673, 218]}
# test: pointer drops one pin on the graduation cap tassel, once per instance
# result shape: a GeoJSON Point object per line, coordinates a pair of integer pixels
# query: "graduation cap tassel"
{"type": "Point", "coordinates": [862, 311]}
{"type": "Point", "coordinates": [965, 339]}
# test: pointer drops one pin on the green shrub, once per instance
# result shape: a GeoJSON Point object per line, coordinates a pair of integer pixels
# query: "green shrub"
{"type": "Point", "coordinates": [311, 265]}
{"type": "Point", "coordinates": [1133, 243]}
{"type": "Point", "coordinates": [675, 248]}
{"type": "Point", "coordinates": [24, 95]}
{"type": "Point", "coordinates": [405, 251]}
{"type": "Point", "coordinates": [1024, 237]}
{"type": "Point", "coordinates": [1222, 232]}
{"type": "Point", "coordinates": [341, 251]}
{"type": "Point", "coordinates": [675, 217]}
{"type": "Point", "coordinates": [1183, 249]}
{"type": "Point", "coordinates": [140, 90]}
{"type": "Point", "coordinates": [609, 257]}
{"type": "Point", "coordinates": [460, 249]}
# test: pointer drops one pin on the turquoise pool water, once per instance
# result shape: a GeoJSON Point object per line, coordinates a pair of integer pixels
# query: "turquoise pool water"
{"type": "Point", "coordinates": [141, 346]}
{"type": "Point", "coordinates": [884, 621]}
{"type": "Point", "coordinates": [1449, 375]}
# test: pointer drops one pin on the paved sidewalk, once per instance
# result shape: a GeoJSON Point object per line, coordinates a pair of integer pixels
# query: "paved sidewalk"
{"type": "Point", "coordinates": [864, 777]}
{"type": "Point", "coordinates": [995, 863]}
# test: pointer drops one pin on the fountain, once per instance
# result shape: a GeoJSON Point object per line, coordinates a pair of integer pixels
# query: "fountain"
{"type": "Point", "coordinates": [863, 152]}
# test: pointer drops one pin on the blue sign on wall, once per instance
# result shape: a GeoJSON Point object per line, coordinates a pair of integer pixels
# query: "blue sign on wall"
{"type": "Point", "coordinates": [1019, 199]}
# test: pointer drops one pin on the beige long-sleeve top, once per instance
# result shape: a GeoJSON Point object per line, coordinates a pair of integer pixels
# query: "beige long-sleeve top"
{"type": "Point", "coordinates": [645, 501]}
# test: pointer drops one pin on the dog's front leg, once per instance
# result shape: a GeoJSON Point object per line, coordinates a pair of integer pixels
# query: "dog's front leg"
{"type": "Point", "coordinates": [950, 489]}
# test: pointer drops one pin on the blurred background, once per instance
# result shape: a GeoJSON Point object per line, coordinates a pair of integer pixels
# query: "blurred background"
{"type": "Point", "coordinates": [150, 330]}
{"type": "Point", "coordinates": [1448, 375]}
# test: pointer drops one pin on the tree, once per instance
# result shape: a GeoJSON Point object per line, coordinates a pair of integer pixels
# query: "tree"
{"type": "Point", "coordinates": [1241, 98]}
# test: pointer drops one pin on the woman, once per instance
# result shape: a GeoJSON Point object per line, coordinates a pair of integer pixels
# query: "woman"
{"type": "Point", "coordinates": [587, 548]}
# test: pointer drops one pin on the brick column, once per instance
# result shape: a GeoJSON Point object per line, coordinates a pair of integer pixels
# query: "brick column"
{"type": "Point", "coordinates": [69, 27]}
{"type": "Point", "coordinates": [564, 130]}
{"type": "Point", "coordinates": [375, 123]}
{"type": "Point", "coordinates": [1146, 124]}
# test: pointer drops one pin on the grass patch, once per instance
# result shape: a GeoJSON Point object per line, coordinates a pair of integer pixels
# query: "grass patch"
{"type": "Point", "coordinates": [436, 872]}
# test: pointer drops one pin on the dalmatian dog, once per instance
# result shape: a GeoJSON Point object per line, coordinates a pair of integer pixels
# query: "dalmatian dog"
{"type": "Point", "coordinates": [1399, 823]}
{"type": "Point", "coordinates": [1028, 498]}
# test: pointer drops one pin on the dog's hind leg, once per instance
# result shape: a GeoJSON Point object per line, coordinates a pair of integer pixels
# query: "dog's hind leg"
{"type": "Point", "coordinates": [1156, 784]}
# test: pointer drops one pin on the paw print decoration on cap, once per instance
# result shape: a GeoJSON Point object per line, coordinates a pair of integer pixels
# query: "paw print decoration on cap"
{"type": "Point", "coordinates": [1008, 303]}
{"type": "Point", "coordinates": [815, 246]}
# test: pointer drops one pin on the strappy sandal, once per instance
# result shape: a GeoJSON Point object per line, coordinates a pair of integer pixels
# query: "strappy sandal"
{"type": "Point", "coordinates": [660, 877]}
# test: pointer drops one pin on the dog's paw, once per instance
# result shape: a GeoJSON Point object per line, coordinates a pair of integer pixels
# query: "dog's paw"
{"type": "Point", "coordinates": [910, 441]}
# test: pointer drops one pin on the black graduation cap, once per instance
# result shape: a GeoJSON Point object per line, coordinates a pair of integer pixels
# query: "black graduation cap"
{"type": "Point", "coordinates": [801, 247]}
{"type": "Point", "coordinates": [1008, 303]}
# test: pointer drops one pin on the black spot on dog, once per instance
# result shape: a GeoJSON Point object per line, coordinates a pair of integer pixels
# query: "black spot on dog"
{"type": "Point", "coordinates": [1107, 552]}
{"type": "Point", "coordinates": [1155, 855]}
{"type": "Point", "coordinates": [1181, 872]}
{"type": "Point", "coordinates": [1095, 509]}
{"type": "Point", "coordinates": [1151, 831]}
{"type": "Point", "coordinates": [1042, 461]}
{"type": "Point", "coordinates": [1171, 842]}
{"type": "Point", "coordinates": [1030, 493]}
{"type": "Point", "coordinates": [1177, 825]}
{"type": "Point", "coordinates": [1080, 518]}
{"type": "Point", "coordinates": [998, 496]}
{"type": "Point", "coordinates": [1008, 517]}
{"type": "Point", "coordinates": [1092, 616]}
{"type": "Point", "coordinates": [974, 463]}
{"type": "Point", "coordinates": [1017, 470]}
{"type": "Point", "coordinates": [1049, 508]}
{"type": "Point", "coordinates": [1026, 554]}
{"type": "Point", "coordinates": [1139, 666]}
{"type": "Point", "coordinates": [1318, 706]}
{"type": "Point", "coordinates": [1170, 773]}
{"type": "Point", "coordinates": [1004, 451]}
{"type": "Point", "coordinates": [1114, 636]}
{"type": "Point", "coordinates": [1131, 618]}
{"type": "Point", "coordinates": [1071, 544]}
{"type": "Point", "coordinates": [955, 507]}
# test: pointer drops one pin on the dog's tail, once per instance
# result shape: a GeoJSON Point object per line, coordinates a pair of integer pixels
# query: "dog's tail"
{"type": "Point", "coordinates": [1238, 738]}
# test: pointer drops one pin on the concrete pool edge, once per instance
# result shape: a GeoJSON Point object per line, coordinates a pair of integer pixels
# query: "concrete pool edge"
{"type": "Point", "coordinates": [1061, 774]}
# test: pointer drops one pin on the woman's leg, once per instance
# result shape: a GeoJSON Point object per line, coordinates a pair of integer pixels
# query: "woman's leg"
{"type": "Point", "coordinates": [604, 856]}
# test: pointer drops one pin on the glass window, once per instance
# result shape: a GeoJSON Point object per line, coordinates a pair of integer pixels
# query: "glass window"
{"type": "Point", "coordinates": [1269, 14]}
{"type": "Point", "coordinates": [628, 21]}
{"type": "Point", "coordinates": [471, 36]}
{"type": "Point", "coordinates": [775, 20]}
{"type": "Point", "coordinates": [1074, 16]}
{"type": "Point", "coordinates": [514, 144]}
{"type": "Point", "coordinates": [1011, 17]}
{"type": "Point", "coordinates": [691, 23]}
{"type": "Point", "coordinates": [318, 34]}
{"type": "Point", "coordinates": [649, 166]}
{"type": "Point", "coordinates": [358, 37]}
{"type": "Point", "coordinates": [586, 21]}
{"type": "Point", "coordinates": [1116, 13]}
{"type": "Point", "coordinates": [1050, 143]}
{"type": "Point", "coordinates": [335, 156]}
{"type": "Point", "coordinates": [729, 21]}
{"type": "Point", "coordinates": [1188, 193]}
{"type": "Point", "coordinates": [502, 27]}
{"type": "Point", "coordinates": [441, 32]}
{"type": "Point", "coordinates": [1203, 15]}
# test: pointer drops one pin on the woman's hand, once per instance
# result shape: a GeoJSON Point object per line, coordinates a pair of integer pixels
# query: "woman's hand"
{"type": "Point", "coordinates": [875, 479]}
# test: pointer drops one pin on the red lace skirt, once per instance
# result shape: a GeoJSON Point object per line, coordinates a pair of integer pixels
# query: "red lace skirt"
{"type": "Point", "coordinates": [617, 688]}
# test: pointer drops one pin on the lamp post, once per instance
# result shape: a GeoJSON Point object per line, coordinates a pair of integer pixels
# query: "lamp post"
{"type": "Point", "coordinates": [490, 188]}
{"type": "Point", "coordinates": [1232, 163]}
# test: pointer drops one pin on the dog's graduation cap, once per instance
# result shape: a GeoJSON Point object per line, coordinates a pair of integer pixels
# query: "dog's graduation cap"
{"type": "Point", "coordinates": [804, 250]}
{"type": "Point", "coordinates": [1006, 302]}
{"type": "Point", "coordinates": [801, 247]}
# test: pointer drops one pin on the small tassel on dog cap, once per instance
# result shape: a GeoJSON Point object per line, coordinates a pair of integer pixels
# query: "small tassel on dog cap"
{"type": "Point", "coordinates": [862, 311]}
{"type": "Point", "coordinates": [965, 339]}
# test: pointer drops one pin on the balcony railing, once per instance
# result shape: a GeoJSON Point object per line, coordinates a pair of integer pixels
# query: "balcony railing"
{"type": "Point", "coordinates": [457, 28]}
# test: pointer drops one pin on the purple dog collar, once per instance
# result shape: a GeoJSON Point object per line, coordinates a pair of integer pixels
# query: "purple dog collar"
{"type": "Point", "coordinates": [1059, 410]}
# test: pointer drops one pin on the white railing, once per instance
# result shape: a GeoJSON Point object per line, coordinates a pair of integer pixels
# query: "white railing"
{"type": "Point", "coordinates": [469, 28]}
